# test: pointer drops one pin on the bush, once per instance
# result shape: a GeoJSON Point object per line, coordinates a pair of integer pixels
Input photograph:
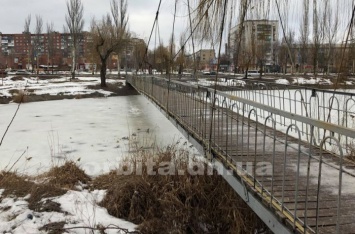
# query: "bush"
{"type": "Point", "coordinates": [176, 203]}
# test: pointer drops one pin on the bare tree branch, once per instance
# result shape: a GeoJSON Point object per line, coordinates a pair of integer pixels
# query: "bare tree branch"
{"type": "Point", "coordinates": [75, 24]}
{"type": "Point", "coordinates": [38, 42]}
{"type": "Point", "coordinates": [28, 39]}
{"type": "Point", "coordinates": [110, 35]}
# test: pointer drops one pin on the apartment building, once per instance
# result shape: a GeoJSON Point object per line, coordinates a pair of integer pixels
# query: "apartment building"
{"type": "Point", "coordinates": [205, 59]}
{"type": "Point", "coordinates": [257, 41]}
{"type": "Point", "coordinates": [27, 50]}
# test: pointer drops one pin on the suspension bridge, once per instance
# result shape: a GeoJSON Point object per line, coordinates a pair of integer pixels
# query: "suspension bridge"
{"type": "Point", "coordinates": [285, 150]}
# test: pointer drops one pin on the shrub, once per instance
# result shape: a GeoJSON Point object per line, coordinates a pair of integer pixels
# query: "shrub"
{"type": "Point", "coordinates": [176, 203]}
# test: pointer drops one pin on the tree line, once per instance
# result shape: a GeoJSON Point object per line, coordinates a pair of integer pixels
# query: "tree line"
{"type": "Point", "coordinates": [107, 36]}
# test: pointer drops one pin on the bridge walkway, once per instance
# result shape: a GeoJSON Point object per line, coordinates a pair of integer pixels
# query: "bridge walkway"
{"type": "Point", "coordinates": [297, 181]}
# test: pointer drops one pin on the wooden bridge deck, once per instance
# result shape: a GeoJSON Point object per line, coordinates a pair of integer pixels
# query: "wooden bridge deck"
{"type": "Point", "coordinates": [244, 148]}
{"type": "Point", "coordinates": [279, 179]}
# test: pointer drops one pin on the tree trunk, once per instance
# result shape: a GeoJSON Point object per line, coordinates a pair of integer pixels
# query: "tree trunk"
{"type": "Point", "coordinates": [118, 67]}
{"type": "Point", "coordinates": [73, 64]}
{"type": "Point", "coordinates": [103, 73]}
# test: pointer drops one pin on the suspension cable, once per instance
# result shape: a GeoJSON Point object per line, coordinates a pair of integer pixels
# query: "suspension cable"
{"type": "Point", "coordinates": [341, 65]}
{"type": "Point", "coordinates": [171, 60]}
{"type": "Point", "coordinates": [151, 32]}
{"type": "Point", "coordinates": [216, 77]}
{"type": "Point", "coordinates": [284, 34]}
{"type": "Point", "coordinates": [192, 40]}
{"type": "Point", "coordinates": [194, 29]}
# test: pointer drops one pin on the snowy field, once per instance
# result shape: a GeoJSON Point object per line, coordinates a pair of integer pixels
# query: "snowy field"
{"type": "Point", "coordinates": [79, 210]}
{"type": "Point", "coordinates": [95, 132]}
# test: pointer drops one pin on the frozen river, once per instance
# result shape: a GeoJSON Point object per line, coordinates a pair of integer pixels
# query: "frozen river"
{"type": "Point", "coordinates": [92, 131]}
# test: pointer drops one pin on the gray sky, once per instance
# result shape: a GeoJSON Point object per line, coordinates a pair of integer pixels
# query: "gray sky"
{"type": "Point", "coordinates": [141, 15]}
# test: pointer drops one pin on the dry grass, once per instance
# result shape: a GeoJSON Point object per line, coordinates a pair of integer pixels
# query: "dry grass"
{"type": "Point", "coordinates": [54, 183]}
{"type": "Point", "coordinates": [53, 228]}
{"type": "Point", "coordinates": [157, 203]}
{"type": "Point", "coordinates": [14, 184]}
{"type": "Point", "coordinates": [66, 176]}
{"type": "Point", "coordinates": [176, 203]}
{"type": "Point", "coordinates": [19, 96]}
{"type": "Point", "coordinates": [349, 152]}
{"type": "Point", "coordinates": [42, 191]}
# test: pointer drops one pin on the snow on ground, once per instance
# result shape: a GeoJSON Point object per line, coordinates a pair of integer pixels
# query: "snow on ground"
{"type": "Point", "coordinates": [220, 82]}
{"type": "Point", "coordinates": [282, 81]}
{"type": "Point", "coordinates": [330, 178]}
{"type": "Point", "coordinates": [239, 82]}
{"type": "Point", "coordinates": [302, 81]}
{"type": "Point", "coordinates": [55, 86]}
{"type": "Point", "coordinates": [94, 130]}
{"type": "Point", "coordinates": [79, 208]}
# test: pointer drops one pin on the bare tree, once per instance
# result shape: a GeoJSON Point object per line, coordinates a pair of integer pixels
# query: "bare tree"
{"type": "Point", "coordinates": [28, 40]}
{"type": "Point", "coordinates": [162, 59]}
{"type": "Point", "coordinates": [180, 60]}
{"type": "Point", "coordinates": [110, 35]}
{"type": "Point", "coordinates": [50, 44]}
{"type": "Point", "coordinates": [38, 42]}
{"type": "Point", "coordinates": [331, 24]}
{"type": "Point", "coordinates": [75, 24]}
{"type": "Point", "coordinates": [286, 51]}
{"type": "Point", "coordinates": [316, 38]}
{"type": "Point", "coordinates": [120, 19]}
{"type": "Point", "coordinates": [304, 31]}
{"type": "Point", "coordinates": [192, 41]}
{"type": "Point", "coordinates": [242, 14]}
{"type": "Point", "coordinates": [138, 52]}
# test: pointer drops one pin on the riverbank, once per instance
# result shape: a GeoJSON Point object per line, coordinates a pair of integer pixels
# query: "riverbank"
{"type": "Point", "coordinates": [47, 88]}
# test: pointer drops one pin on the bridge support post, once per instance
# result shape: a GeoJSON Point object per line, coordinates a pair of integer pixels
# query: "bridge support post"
{"type": "Point", "coordinates": [263, 212]}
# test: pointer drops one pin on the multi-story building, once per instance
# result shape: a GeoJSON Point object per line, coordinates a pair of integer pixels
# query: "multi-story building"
{"type": "Point", "coordinates": [205, 59]}
{"type": "Point", "coordinates": [28, 51]}
{"type": "Point", "coordinates": [133, 54]}
{"type": "Point", "coordinates": [31, 50]}
{"type": "Point", "coordinates": [257, 41]}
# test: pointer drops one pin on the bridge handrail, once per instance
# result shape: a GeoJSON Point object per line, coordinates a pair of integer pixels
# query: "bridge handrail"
{"type": "Point", "coordinates": [315, 122]}
{"type": "Point", "coordinates": [226, 107]}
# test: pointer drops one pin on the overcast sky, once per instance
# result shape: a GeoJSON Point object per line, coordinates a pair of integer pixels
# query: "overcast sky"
{"type": "Point", "coordinates": [141, 15]}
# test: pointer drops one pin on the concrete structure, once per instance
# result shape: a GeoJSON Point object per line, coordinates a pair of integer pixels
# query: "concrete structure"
{"type": "Point", "coordinates": [257, 42]}
{"type": "Point", "coordinates": [205, 59]}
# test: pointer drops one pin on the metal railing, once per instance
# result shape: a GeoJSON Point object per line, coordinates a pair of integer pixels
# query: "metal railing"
{"type": "Point", "coordinates": [325, 105]}
{"type": "Point", "coordinates": [280, 142]}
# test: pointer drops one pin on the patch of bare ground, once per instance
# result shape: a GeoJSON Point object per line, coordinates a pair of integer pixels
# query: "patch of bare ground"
{"type": "Point", "coordinates": [117, 89]}
{"type": "Point", "coordinates": [175, 203]}
{"type": "Point", "coordinates": [53, 228]}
